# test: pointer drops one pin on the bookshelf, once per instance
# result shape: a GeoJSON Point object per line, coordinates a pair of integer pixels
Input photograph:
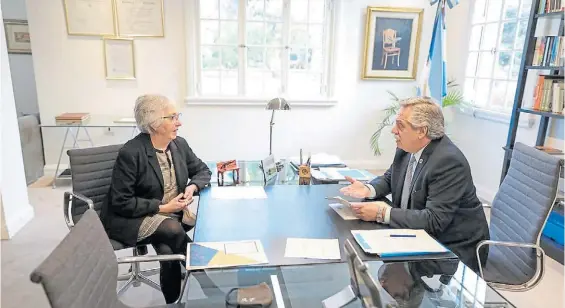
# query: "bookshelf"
{"type": "Point", "coordinates": [543, 56]}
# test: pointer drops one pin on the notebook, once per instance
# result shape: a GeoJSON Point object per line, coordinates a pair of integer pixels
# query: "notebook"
{"type": "Point", "coordinates": [397, 242]}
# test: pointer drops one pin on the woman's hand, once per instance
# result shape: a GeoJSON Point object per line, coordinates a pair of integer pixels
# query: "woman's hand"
{"type": "Point", "coordinates": [189, 191]}
{"type": "Point", "coordinates": [177, 204]}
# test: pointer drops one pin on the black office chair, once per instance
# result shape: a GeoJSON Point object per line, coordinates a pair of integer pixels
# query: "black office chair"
{"type": "Point", "coordinates": [91, 175]}
{"type": "Point", "coordinates": [81, 270]}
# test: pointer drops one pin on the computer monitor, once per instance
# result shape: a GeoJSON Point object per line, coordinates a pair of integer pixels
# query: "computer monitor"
{"type": "Point", "coordinates": [362, 283]}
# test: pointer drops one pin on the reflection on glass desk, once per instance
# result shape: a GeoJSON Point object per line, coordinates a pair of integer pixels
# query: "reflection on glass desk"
{"type": "Point", "coordinates": [423, 284]}
{"type": "Point", "coordinates": [250, 173]}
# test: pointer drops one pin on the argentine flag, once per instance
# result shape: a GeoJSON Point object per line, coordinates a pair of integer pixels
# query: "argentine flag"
{"type": "Point", "coordinates": [434, 78]}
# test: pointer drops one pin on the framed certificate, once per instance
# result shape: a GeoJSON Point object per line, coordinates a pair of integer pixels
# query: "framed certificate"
{"type": "Point", "coordinates": [90, 17]}
{"type": "Point", "coordinates": [140, 18]}
{"type": "Point", "coordinates": [119, 58]}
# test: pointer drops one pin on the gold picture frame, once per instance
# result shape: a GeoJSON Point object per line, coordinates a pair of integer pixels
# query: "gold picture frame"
{"type": "Point", "coordinates": [392, 43]}
{"type": "Point", "coordinates": [119, 58]}
{"type": "Point", "coordinates": [130, 23]}
{"type": "Point", "coordinates": [17, 36]}
{"type": "Point", "coordinates": [83, 19]}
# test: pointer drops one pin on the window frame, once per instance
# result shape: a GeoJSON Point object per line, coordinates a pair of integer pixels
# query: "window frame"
{"type": "Point", "coordinates": [500, 21]}
{"type": "Point", "coordinates": [194, 65]}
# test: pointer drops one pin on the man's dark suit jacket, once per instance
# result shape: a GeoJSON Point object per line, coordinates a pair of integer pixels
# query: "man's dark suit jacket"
{"type": "Point", "coordinates": [443, 200]}
{"type": "Point", "coordinates": [136, 190]}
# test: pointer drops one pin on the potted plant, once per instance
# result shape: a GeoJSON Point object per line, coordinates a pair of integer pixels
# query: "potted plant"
{"type": "Point", "coordinates": [453, 97]}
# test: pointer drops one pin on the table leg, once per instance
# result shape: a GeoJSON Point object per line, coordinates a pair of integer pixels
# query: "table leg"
{"type": "Point", "coordinates": [88, 135]}
{"type": "Point", "coordinates": [60, 155]}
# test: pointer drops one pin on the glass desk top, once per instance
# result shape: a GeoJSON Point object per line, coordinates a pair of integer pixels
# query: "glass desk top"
{"type": "Point", "coordinates": [423, 284]}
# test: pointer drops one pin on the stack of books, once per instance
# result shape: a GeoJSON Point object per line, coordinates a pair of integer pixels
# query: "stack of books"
{"type": "Point", "coordinates": [549, 51]}
{"type": "Point", "coordinates": [69, 118]}
{"type": "Point", "coordinates": [548, 95]}
{"type": "Point", "coordinates": [548, 6]}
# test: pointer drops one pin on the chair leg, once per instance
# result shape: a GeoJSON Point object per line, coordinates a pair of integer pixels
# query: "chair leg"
{"type": "Point", "coordinates": [149, 282]}
{"type": "Point", "coordinates": [126, 286]}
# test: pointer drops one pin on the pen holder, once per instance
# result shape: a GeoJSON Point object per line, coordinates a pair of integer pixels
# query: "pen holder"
{"type": "Point", "coordinates": [304, 175]}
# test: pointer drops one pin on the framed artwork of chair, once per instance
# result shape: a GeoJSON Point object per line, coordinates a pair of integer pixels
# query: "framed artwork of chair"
{"type": "Point", "coordinates": [392, 42]}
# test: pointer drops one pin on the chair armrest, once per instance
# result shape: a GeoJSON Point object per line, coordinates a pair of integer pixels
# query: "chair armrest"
{"type": "Point", "coordinates": [151, 258]}
{"type": "Point", "coordinates": [67, 206]}
{"type": "Point", "coordinates": [507, 244]}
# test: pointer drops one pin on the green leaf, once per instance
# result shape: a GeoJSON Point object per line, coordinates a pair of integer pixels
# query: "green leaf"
{"type": "Point", "coordinates": [452, 98]}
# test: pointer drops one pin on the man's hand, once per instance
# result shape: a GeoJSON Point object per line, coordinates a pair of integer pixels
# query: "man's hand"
{"type": "Point", "coordinates": [189, 191]}
{"type": "Point", "coordinates": [370, 211]}
{"type": "Point", "coordinates": [356, 189]}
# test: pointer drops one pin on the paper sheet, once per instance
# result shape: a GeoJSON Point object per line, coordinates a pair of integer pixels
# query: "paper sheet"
{"type": "Point", "coordinates": [239, 192]}
{"type": "Point", "coordinates": [225, 254]}
{"type": "Point", "coordinates": [344, 211]}
{"type": "Point", "coordinates": [312, 248]}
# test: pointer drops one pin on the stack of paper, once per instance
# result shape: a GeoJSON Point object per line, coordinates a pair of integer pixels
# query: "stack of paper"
{"type": "Point", "coordinates": [224, 254]}
{"type": "Point", "coordinates": [239, 192]}
{"type": "Point", "coordinates": [397, 242]}
{"type": "Point", "coordinates": [312, 248]}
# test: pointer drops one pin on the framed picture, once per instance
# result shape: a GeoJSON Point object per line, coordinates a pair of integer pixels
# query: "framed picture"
{"type": "Point", "coordinates": [140, 18]}
{"type": "Point", "coordinates": [90, 18]}
{"type": "Point", "coordinates": [17, 36]}
{"type": "Point", "coordinates": [392, 41]}
{"type": "Point", "coordinates": [119, 58]}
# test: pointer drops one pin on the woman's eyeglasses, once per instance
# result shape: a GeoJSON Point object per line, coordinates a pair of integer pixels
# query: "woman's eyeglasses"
{"type": "Point", "coordinates": [173, 117]}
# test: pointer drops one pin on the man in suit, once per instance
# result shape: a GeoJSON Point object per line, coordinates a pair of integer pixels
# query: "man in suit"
{"type": "Point", "coordinates": [431, 184]}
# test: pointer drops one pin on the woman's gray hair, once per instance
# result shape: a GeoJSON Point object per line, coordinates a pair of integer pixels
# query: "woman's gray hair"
{"type": "Point", "coordinates": [149, 111]}
{"type": "Point", "coordinates": [426, 113]}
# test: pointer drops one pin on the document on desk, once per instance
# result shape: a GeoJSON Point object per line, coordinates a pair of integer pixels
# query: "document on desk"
{"type": "Point", "coordinates": [344, 211]}
{"type": "Point", "coordinates": [397, 242]}
{"type": "Point", "coordinates": [225, 254]}
{"type": "Point", "coordinates": [239, 192]}
{"type": "Point", "coordinates": [309, 248]}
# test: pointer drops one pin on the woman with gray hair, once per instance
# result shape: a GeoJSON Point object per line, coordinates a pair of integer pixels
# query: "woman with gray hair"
{"type": "Point", "coordinates": [150, 190]}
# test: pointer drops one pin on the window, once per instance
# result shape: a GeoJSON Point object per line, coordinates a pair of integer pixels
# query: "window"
{"type": "Point", "coordinates": [498, 32]}
{"type": "Point", "coordinates": [263, 48]}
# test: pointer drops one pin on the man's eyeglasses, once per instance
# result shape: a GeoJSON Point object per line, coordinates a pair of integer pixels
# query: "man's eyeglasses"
{"type": "Point", "coordinates": [173, 117]}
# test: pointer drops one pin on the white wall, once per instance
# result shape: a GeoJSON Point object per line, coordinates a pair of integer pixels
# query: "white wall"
{"type": "Point", "coordinates": [15, 208]}
{"type": "Point", "coordinates": [482, 140]}
{"type": "Point", "coordinates": [70, 78]}
{"type": "Point", "coordinates": [23, 77]}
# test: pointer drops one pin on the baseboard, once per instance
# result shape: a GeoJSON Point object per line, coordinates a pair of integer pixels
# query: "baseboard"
{"type": "Point", "coordinates": [16, 222]}
{"type": "Point", "coordinates": [49, 170]}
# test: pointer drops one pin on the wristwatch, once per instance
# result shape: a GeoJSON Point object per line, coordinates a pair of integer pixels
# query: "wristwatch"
{"type": "Point", "coordinates": [381, 211]}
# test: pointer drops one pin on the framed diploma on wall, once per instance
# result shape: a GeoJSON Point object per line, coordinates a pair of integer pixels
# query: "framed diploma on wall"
{"type": "Point", "coordinates": [90, 17]}
{"type": "Point", "coordinates": [119, 58]}
{"type": "Point", "coordinates": [140, 18]}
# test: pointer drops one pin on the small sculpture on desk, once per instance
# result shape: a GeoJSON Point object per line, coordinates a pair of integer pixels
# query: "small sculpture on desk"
{"type": "Point", "coordinates": [229, 165]}
{"type": "Point", "coordinates": [304, 175]}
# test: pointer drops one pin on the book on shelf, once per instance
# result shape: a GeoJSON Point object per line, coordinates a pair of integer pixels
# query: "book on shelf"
{"type": "Point", "coordinates": [72, 118]}
{"type": "Point", "coordinates": [549, 51]}
{"type": "Point", "coordinates": [548, 6]}
{"type": "Point", "coordinates": [548, 95]}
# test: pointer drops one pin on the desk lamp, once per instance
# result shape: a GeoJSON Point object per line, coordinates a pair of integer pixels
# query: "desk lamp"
{"type": "Point", "coordinates": [278, 103]}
